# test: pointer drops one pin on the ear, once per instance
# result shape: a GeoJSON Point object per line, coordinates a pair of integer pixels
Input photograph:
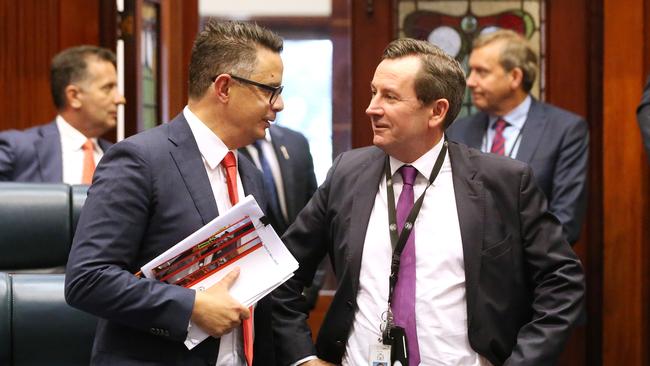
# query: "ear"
{"type": "Point", "coordinates": [72, 95]}
{"type": "Point", "coordinates": [221, 87]}
{"type": "Point", "coordinates": [516, 78]}
{"type": "Point", "coordinates": [439, 109]}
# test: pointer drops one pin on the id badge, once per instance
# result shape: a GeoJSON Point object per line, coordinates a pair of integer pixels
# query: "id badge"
{"type": "Point", "coordinates": [379, 355]}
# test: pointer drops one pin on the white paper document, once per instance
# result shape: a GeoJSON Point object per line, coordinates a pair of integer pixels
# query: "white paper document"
{"type": "Point", "coordinates": [237, 238]}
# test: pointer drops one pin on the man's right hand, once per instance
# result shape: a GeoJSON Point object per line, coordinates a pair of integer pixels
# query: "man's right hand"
{"type": "Point", "coordinates": [215, 311]}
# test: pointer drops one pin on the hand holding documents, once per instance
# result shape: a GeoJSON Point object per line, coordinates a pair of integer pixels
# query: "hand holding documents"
{"type": "Point", "coordinates": [237, 238]}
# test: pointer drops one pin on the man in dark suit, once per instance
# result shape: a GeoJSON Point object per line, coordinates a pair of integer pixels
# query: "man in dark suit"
{"type": "Point", "coordinates": [155, 188]}
{"type": "Point", "coordinates": [84, 90]}
{"type": "Point", "coordinates": [554, 142]}
{"type": "Point", "coordinates": [288, 162]}
{"type": "Point", "coordinates": [643, 117]}
{"type": "Point", "coordinates": [480, 273]}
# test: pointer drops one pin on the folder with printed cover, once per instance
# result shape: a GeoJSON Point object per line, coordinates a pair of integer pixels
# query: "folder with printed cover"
{"type": "Point", "coordinates": [240, 237]}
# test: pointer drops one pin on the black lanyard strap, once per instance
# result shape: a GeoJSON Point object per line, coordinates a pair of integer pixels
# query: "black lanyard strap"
{"type": "Point", "coordinates": [398, 243]}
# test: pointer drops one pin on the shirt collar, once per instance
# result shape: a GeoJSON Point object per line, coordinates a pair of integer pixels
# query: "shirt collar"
{"type": "Point", "coordinates": [210, 145]}
{"type": "Point", "coordinates": [424, 164]}
{"type": "Point", "coordinates": [517, 116]}
{"type": "Point", "coordinates": [70, 136]}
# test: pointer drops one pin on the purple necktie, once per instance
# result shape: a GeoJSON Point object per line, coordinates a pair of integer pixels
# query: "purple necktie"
{"type": "Point", "coordinates": [499, 142]}
{"type": "Point", "coordinates": [404, 296]}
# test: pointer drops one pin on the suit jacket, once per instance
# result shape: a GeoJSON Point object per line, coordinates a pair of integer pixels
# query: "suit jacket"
{"type": "Point", "coordinates": [150, 191]}
{"type": "Point", "coordinates": [555, 143]}
{"type": "Point", "coordinates": [297, 170]}
{"type": "Point", "coordinates": [525, 285]}
{"type": "Point", "coordinates": [34, 155]}
{"type": "Point", "coordinates": [643, 117]}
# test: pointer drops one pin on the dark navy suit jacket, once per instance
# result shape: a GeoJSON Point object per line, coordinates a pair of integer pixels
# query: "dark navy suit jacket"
{"type": "Point", "coordinates": [297, 170]}
{"type": "Point", "coordinates": [149, 192]}
{"type": "Point", "coordinates": [525, 285]}
{"type": "Point", "coordinates": [643, 117]}
{"type": "Point", "coordinates": [34, 155]}
{"type": "Point", "coordinates": [555, 143]}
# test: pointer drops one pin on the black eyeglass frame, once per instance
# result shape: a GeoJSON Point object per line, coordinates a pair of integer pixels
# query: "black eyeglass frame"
{"type": "Point", "coordinates": [275, 90]}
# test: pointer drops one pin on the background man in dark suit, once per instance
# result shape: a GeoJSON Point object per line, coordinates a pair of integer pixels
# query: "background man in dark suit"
{"type": "Point", "coordinates": [155, 188]}
{"type": "Point", "coordinates": [554, 142]}
{"type": "Point", "coordinates": [84, 90]}
{"type": "Point", "coordinates": [485, 275]}
{"type": "Point", "coordinates": [285, 161]}
{"type": "Point", "coordinates": [289, 164]}
{"type": "Point", "coordinates": [643, 117]}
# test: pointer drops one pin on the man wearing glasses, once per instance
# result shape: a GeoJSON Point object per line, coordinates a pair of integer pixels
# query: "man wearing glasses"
{"type": "Point", "coordinates": [154, 189]}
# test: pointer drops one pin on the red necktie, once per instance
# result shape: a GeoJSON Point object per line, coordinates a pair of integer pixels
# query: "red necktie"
{"type": "Point", "coordinates": [230, 163]}
{"type": "Point", "coordinates": [89, 162]}
{"type": "Point", "coordinates": [499, 142]}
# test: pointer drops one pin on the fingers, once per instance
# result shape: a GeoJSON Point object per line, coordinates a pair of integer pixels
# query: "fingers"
{"type": "Point", "coordinates": [229, 279]}
{"type": "Point", "coordinates": [244, 313]}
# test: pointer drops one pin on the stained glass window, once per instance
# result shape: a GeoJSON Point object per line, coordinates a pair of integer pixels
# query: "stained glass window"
{"type": "Point", "coordinates": [453, 25]}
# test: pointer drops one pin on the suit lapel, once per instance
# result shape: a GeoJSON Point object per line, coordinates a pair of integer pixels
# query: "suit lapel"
{"type": "Point", "coordinates": [286, 168]}
{"type": "Point", "coordinates": [249, 175]}
{"type": "Point", "coordinates": [365, 191]}
{"type": "Point", "coordinates": [49, 154]}
{"type": "Point", "coordinates": [476, 131]}
{"type": "Point", "coordinates": [470, 204]}
{"type": "Point", "coordinates": [532, 132]}
{"type": "Point", "coordinates": [188, 160]}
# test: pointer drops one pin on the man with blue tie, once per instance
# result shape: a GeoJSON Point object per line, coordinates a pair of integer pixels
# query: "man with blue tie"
{"type": "Point", "coordinates": [285, 161]}
{"type": "Point", "coordinates": [443, 255]}
{"type": "Point", "coordinates": [554, 142]}
{"type": "Point", "coordinates": [155, 188]}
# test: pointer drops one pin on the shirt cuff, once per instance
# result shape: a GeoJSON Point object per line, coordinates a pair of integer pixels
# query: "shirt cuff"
{"type": "Point", "coordinates": [301, 361]}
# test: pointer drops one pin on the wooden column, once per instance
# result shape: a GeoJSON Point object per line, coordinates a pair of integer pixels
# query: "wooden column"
{"type": "Point", "coordinates": [625, 187]}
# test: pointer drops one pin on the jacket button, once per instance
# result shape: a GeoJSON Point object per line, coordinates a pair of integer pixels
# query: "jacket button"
{"type": "Point", "coordinates": [350, 304]}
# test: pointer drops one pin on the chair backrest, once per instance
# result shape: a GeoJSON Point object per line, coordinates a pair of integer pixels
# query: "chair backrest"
{"type": "Point", "coordinates": [44, 329]}
{"type": "Point", "coordinates": [5, 319]}
{"type": "Point", "coordinates": [35, 225]}
{"type": "Point", "coordinates": [78, 195]}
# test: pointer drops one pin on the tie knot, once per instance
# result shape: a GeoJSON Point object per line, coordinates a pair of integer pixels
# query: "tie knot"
{"type": "Point", "coordinates": [88, 145]}
{"type": "Point", "coordinates": [229, 160]}
{"type": "Point", "coordinates": [500, 125]}
{"type": "Point", "coordinates": [408, 173]}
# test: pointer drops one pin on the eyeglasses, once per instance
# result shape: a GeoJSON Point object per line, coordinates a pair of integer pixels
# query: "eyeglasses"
{"type": "Point", "coordinates": [274, 90]}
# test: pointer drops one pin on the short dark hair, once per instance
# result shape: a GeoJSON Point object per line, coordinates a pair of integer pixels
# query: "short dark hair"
{"type": "Point", "coordinates": [227, 47]}
{"type": "Point", "coordinates": [70, 66]}
{"type": "Point", "coordinates": [440, 75]}
{"type": "Point", "coordinates": [516, 52]}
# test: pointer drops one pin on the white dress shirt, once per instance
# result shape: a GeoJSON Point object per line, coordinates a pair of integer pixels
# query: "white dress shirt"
{"type": "Point", "coordinates": [72, 154]}
{"type": "Point", "coordinates": [441, 309]}
{"type": "Point", "coordinates": [512, 133]}
{"type": "Point", "coordinates": [272, 159]}
{"type": "Point", "coordinates": [213, 150]}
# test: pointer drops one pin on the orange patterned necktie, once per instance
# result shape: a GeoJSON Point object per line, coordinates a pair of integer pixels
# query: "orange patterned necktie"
{"type": "Point", "coordinates": [89, 162]}
{"type": "Point", "coordinates": [230, 163]}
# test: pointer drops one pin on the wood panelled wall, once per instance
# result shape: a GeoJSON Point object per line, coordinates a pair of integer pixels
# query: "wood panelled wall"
{"type": "Point", "coordinates": [625, 189]}
{"type": "Point", "coordinates": [31, 33]}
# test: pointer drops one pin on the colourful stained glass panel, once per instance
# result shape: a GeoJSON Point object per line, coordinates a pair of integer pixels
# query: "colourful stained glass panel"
{"type": "Point", "coordinates": [453, 25]}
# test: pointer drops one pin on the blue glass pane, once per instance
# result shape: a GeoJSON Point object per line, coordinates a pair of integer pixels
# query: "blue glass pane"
{"type": "Point", "coordinates": [307, 97]}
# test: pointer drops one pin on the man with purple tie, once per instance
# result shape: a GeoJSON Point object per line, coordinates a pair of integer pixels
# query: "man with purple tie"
{"type": "Point", "coordinates": [443, 254]}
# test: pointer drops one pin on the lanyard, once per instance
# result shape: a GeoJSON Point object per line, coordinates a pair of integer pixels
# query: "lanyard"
{"type": "Point", "coordinates": [398, 244]}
